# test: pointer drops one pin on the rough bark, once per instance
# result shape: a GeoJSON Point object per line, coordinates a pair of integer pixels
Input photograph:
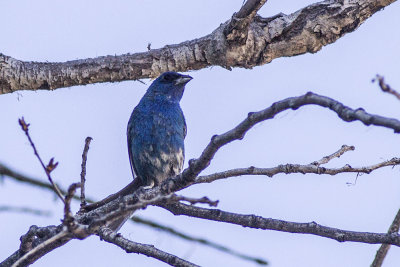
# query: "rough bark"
{"type": "Point", "coordinates": [305, 31]}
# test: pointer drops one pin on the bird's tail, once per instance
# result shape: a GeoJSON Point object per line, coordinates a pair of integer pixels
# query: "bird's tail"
{"type": "Point", "coordinates": [129, 189]}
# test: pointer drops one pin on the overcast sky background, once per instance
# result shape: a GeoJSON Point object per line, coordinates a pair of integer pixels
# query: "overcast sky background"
{"type": "Point", "coordinates": [215, 101]}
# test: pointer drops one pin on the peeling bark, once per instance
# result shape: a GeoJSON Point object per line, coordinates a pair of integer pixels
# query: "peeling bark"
{"type": "Point", "coordinates": [305, 31]}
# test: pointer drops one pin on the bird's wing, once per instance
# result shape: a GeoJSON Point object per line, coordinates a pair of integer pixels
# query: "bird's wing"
{"type": "Point", "coordinates": [184, 124]}
{"type": "Point", "coordinates": [131, 159]}
{"type": "Point", "coordinates": [129, 138]}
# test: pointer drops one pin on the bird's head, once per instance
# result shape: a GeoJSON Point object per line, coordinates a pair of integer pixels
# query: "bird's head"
{"type": "Point", "coordinates": [169, 85]}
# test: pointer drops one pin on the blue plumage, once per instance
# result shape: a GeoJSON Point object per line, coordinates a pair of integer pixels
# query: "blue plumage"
{"type": "Point", "coordinates": [157, 129]}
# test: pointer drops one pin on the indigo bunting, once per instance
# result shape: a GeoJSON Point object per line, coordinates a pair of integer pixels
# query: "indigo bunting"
{"type": "Point", "coordinates": [157, 129]}
{"type": "Point", "coordinates": [156, 133]}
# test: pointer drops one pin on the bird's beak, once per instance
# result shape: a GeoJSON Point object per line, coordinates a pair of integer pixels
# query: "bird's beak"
{"type": "Point", "coordinates": [184, 79]}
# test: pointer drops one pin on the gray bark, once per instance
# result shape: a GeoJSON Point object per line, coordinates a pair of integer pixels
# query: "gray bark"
{"type": "Point", "coordinates": [305, 31]}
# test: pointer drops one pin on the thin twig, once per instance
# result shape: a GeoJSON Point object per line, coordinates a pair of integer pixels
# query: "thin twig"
{"type": "Point", "coordinates": [25, 210]}
{"type": "Point", "coordinates": [68, 217]}
{"type": "Point", "coordinates": [192, 201]}
{"type": "Point", "coordinates": [83, 172]}
{"type": "Point", "coordinates": [199, 240]}
{"type": "Point", "coordinates": [129, 246]}
{"type": "Point", "coordinates": [7, 171]}
{"type": "Point", "coordinates": [386, 87]}
{"type": "Point", "coordinates": [294, 168]}
{"type": "Point", "coordinates": [47, 169]}
{"type": "Point", "coordinates": [384, 248]}
{"type": "Point", "coordinates": [337, 154]}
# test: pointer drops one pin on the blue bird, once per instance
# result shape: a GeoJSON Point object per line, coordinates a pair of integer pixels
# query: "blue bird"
{"type": "Point", "coordinates": [156, 131]}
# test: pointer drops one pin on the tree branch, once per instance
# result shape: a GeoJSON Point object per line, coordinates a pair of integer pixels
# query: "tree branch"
{"type": "Point", "coordinates": [83, 172]}
{"type": "Point", "coordinates": [294, 168]}
{"type": "Point", "coordinates": [304, 31]}
{"type": "Point", "coordinates": [238, 27]}
{"type": "Point", "coordinates": [4, 170]}
{"type": "Point", "coordinates": [202, 241]}
{"type": "Point", "coordinates": [259, 222]}
{"type": "Point", "coordinates": [217, 141]}
{"type": "Point", "coordinates": [337, 154]}
{"type": "Point", "coordinates": [384, 248]}
{"type": "Point", "coordinates": [7, 171]}
{"type": "Point", "coordinates": [50, 166]}
{"type": "Point", "coordinates": [25, 210]}
{"type": "Point", "coordinates": [121, 206]}
{"type": "Point", "coordinates": [386, 87]}
{"type": "Point", "coordinates": [37, 242]}
{"type": "Point", "coordinates": [112, 237]}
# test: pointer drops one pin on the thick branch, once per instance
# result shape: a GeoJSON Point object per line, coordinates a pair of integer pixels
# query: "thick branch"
{"type": "Point", "coordinates": [258, 222]}
{"type": "Point", "coordinates": [37, 242]}
{"type": "Point", "coordinates": [305, 31]}
{"type": "Point", "coordinates": [133, 247]}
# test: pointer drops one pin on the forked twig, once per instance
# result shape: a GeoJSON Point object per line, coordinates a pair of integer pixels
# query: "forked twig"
{"type": "Point", "coordinates": [50, 166]}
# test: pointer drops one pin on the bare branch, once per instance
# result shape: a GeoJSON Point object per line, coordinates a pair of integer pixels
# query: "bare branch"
{"type": "Point", "coordinates": [83, 172]}
{"type": "Point", "coordinates": [259, 222]}
{"type": "Point", "coordinates": [304, 31]}
{"type": "Point", "coordinates": [238, 27]}
{"type": "Point", "coordinates": [294, 168]}
{"type": "Point", "coordinates": [68, 217]}
{"type": "Point", "coordinates": [110, 236]}
{"type": "Point", "coordinates": [4, 170]}
{"type": "Point", "coordinates": [47, 169]}
{"type": "Point", "coordinates": [250, 8]}
{"type": "Point", "coordinates": [139, 200]}
{"type": "Point", "coordinates": [202, 241]}
{"type": "Point", "coordinates": [25, 210]}
{"type": "Point", "coordinates": [129, 189]}
{"type": "Point", "coordinates": [120, 207]}
{"type": "Point", "coordinates": [384, 248]}
{"type": "Point", "coordinates": [217, 141]}
{"type": "Point", "coordinates": [37, 242]}
{"type": "Point", "coordinates": [386, 87]}
{"type": "Point", "coordinates": [26, 259]}
{"type": "Point", "coordinates": [337, 154]}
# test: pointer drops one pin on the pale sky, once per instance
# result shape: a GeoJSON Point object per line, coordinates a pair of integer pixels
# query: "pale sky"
{"type": "Point", "coordinates": [215, 101]}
